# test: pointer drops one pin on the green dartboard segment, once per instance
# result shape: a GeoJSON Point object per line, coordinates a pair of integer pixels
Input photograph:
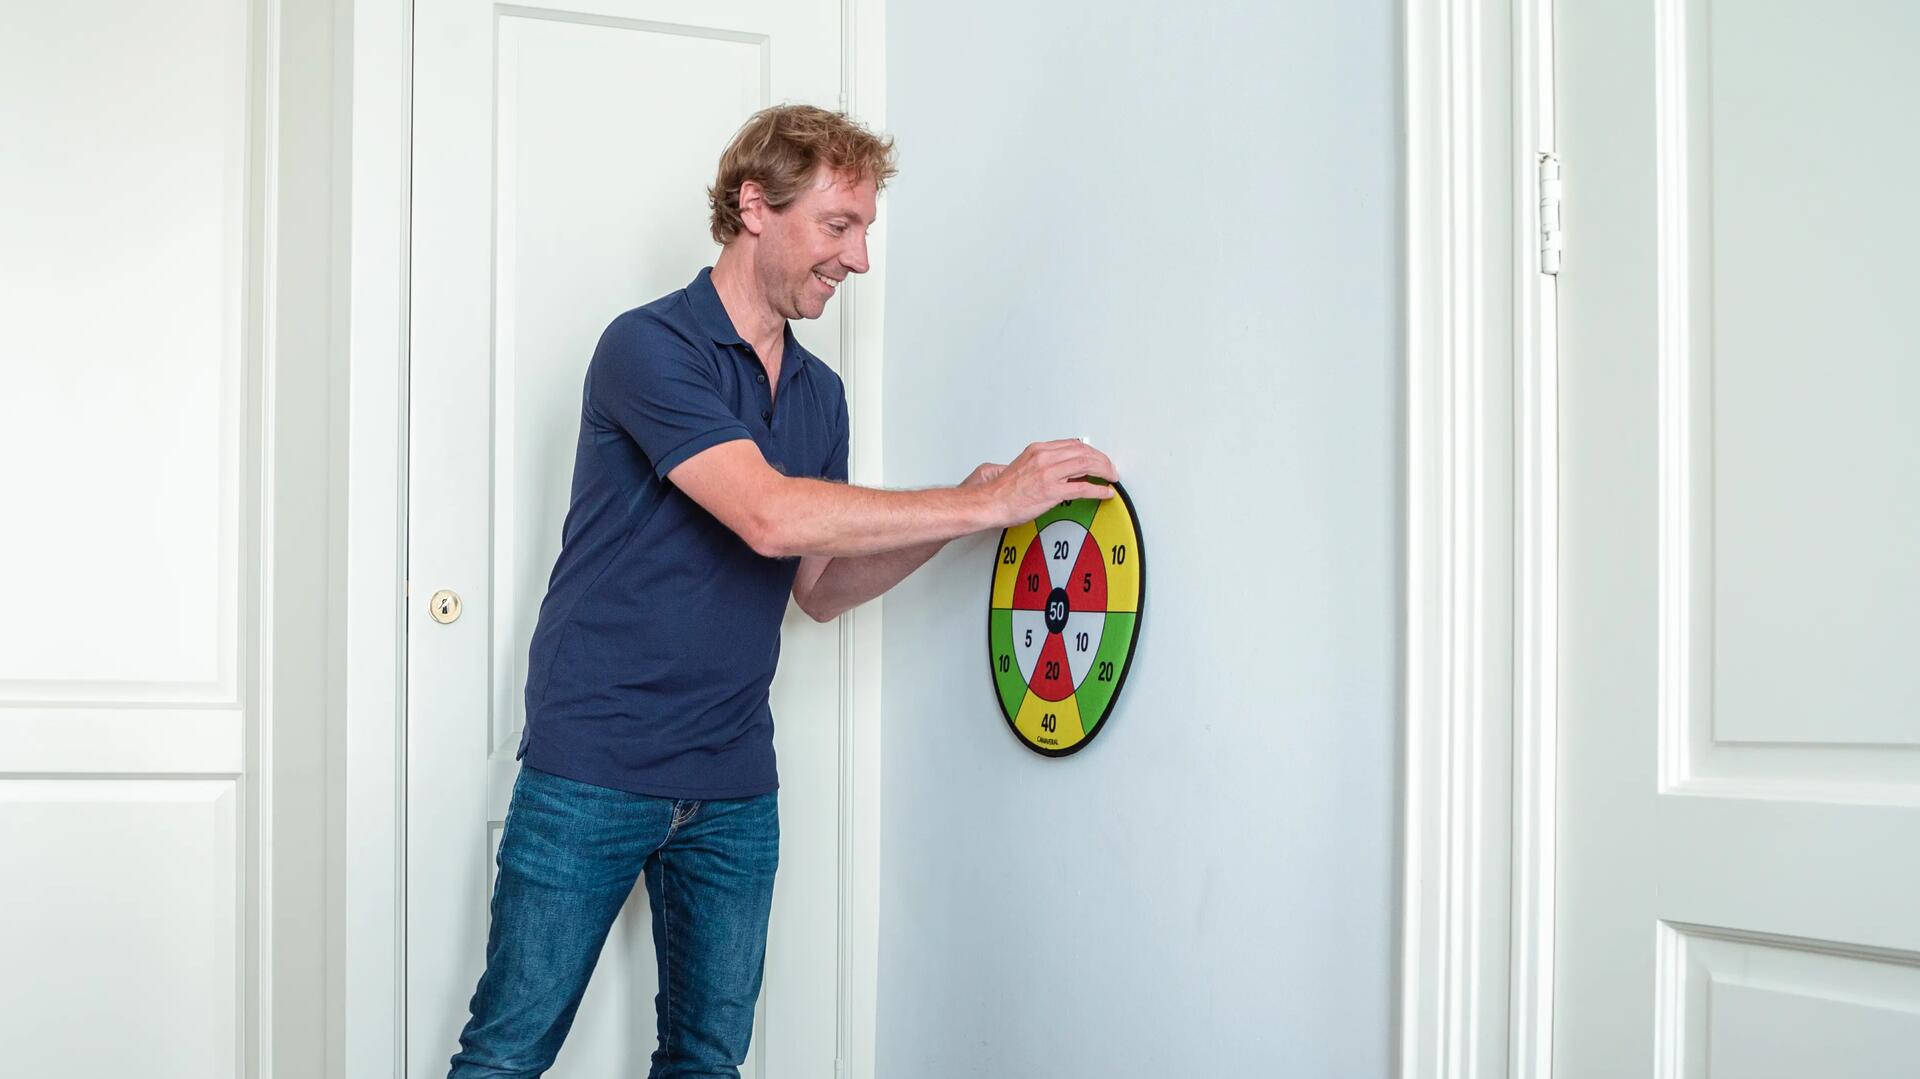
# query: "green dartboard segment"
{"type": "Point", "coordinates": [1109, 665]}
{"type": "Point", "coordinates": [1006, 668]}
{"type": "Point", "coordinates": [1080, 510]}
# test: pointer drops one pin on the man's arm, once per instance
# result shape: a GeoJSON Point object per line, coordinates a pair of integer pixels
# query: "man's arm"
{"type": "Point", "coordinates": [827, 588]}
{"type": "Point", "coordinates": [841, 584]}
{"type": "Point", "coordinates": [780, 516]}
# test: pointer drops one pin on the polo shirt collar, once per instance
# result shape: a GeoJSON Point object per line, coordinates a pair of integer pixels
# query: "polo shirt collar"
{"type": "Point", "coordinates": [712, 316]}
{"type": "Point", "coordinates": [709, 311]}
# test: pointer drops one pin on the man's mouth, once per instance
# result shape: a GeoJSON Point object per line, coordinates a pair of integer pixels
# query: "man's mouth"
{"type": "Point", "coordinates": [824, 279]}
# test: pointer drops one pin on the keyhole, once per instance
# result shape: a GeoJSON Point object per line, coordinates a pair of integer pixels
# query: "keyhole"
{"type": "Point", "coordinates": [444, 606]}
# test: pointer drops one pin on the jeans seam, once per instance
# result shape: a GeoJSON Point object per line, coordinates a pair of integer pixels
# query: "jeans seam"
{"type": "Point", "coordinates": [666, 958]}
{"type": "Point", "coordinates": [679, 818]}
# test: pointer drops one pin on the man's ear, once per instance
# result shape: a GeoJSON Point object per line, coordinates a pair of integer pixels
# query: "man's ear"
{"type": "Point", "coordinates": [753, 206]}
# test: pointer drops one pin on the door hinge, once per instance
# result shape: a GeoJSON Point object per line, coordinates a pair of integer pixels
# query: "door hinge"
{"type": "Point", "coordinates": [1552, 243]}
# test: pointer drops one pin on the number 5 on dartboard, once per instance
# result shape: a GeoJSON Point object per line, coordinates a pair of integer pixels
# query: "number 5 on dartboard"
{"type": "Point", "coordinates": [1063, 619]}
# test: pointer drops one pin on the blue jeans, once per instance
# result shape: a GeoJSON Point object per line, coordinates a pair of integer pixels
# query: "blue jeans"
{"type": "Point", "coordinates": [568, 858]}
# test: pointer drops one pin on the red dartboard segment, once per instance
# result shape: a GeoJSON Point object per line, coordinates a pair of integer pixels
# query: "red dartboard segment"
{"type": "Point", "coordinates": [1087, 585]}
{"type": "Point", "coordinates": [1033, 570]}
{"type": "Point", "coordinates": [1053, 662]}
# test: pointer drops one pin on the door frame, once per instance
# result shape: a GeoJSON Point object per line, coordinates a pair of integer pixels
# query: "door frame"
{"type": "Point", "coordinates": [1477, 872]}
{"type": "Point", "coordinates": [371, 687]}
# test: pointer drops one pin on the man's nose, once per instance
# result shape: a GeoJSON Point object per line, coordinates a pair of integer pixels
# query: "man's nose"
{"type": "Point", "coordinates": [855, 257]}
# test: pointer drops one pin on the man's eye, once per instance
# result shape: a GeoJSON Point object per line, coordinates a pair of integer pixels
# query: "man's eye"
{"type": "Point", "coordinates": [836, 228]}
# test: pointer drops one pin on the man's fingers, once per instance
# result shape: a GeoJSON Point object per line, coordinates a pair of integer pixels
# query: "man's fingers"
{"type": "Point", "coordinates": [1073, 451]}
{"type": "Point", "coordinates": [1095, 463]}
{"type": "Point", "coordinates": [1057, 445]}
{"type": "Point", "coordinates": [1066, 461]}
{"type": "Point", "coordinates": [1090, 490]}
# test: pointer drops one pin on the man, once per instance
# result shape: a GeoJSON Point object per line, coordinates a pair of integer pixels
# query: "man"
{"type": "Point", "coordinates": [709, 483]}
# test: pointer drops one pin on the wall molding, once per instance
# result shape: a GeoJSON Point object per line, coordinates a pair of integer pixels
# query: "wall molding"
{"type": "Point", "coordinates": [1476, 958]}
{"type": "Point", "coordinates": [375, 174]}
{"type": "Point", "coordinates": [863, 95]}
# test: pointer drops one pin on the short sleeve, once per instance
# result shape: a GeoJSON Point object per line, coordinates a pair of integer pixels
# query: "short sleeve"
{"type": "Point", "coordinates": [659, 389]}
{"type": "Point", "coordinates": [836, 469]}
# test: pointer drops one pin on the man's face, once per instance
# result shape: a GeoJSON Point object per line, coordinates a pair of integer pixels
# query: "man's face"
{"type": "Point", "coordinates": [808, 247]}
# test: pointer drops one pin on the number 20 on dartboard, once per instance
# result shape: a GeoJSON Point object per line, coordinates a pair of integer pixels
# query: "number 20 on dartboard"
{"type": "Point", "coordinates": [1063, 620]}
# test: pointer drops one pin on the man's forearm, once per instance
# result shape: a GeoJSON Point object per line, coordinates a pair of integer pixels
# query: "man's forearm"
{"type": "Point", "coordinates": [814, 517]}
{"type": "Point", "coordinates": [848, 582]}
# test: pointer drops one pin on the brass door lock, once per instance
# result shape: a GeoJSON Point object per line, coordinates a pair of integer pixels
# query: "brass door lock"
{"type": "Point", "coordinates": [444, 606]}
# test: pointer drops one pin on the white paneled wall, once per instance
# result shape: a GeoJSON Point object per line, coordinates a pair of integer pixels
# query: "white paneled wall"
{"type": "Point", "coordinates": [143, 238]}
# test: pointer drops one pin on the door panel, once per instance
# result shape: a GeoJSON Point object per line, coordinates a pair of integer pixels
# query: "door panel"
{"type": "Point", "coordinates": [561, 161]}
{"type": "Point", "coordinates": [1813, 449]}
{"type": "Point", "coordinates": [132, 169]}
{"type": "Point", "coordinates": [1740, 769]}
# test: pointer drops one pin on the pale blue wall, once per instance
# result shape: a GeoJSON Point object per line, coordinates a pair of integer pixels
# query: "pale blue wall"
{"type": "Point", "coordinates": [1172, 229]}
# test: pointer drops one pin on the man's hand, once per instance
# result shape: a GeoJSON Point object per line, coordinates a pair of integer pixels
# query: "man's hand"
{"type": "Point", "coordinates": [1043, 476]}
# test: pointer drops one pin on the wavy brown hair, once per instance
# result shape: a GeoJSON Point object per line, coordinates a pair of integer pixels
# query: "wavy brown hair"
{"type": "Point", "coordinates": [780, 148]}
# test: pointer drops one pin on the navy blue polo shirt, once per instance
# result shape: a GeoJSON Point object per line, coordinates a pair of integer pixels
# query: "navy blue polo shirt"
{"type": "Point", "coordinates": [658, 636]}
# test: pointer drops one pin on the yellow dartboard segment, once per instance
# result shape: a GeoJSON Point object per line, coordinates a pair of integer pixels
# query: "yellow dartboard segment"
{"type": "Point", "coordinates": [1051, 725]}
{"type": "Point", "coordinates": [1119, 542]}
{"type": "Point", "coordinates": [1006, 562]}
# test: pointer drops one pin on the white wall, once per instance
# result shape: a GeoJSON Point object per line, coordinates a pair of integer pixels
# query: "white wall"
{"type": "Point", "coordinates": [1174, 231]}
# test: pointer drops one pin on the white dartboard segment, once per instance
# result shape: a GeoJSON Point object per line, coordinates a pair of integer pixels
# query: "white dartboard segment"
{"type": "Point", "coordinates": [1029, 637]}
{"type": "Point", "coordinates": [1080, 659]}
{"type": "Point", "coordinates": [1060, 546]}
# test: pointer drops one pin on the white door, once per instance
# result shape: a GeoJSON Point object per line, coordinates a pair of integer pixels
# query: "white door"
{"type": "Point", "coordinates": [130, 545]}
{"type": "Point", "coordinates": [1739, 845]}
{"type": "Point", "coordinates": [561, 157]}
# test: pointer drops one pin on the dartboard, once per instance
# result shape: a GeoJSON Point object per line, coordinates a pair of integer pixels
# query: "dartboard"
{"type": "Point", "coordinates": [1065, 613]}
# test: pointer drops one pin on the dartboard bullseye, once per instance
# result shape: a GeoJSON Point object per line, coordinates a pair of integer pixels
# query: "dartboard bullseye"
{"type": "Point", "coordinates": [1063, 620]}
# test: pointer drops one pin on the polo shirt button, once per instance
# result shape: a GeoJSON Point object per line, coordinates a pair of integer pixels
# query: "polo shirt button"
{"type": "Point", "coordinates": [766, 417]}
{"type": "Point", "coordinates": [761, 378]}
